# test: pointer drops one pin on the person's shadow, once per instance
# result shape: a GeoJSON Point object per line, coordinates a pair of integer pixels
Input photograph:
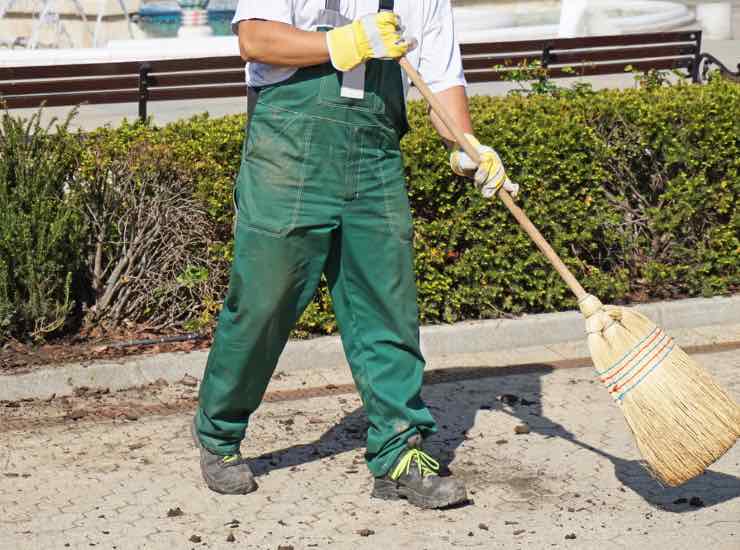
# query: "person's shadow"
{"type": "Point", "coordinates": [520, 388]}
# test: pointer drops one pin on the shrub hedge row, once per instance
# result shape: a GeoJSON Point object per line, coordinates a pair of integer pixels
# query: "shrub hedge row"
{"type": "Point", "coordinates": [636, 189]}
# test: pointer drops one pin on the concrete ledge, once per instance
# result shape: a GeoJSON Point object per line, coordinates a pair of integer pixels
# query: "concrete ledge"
{"type": "Point", "coordinates": [326, 353]}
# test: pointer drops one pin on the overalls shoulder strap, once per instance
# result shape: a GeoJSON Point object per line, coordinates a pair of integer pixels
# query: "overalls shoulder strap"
{"type": "Point", "coordinates": [331, 17]}
{"type": "Point", "coordinates": [334, 5]}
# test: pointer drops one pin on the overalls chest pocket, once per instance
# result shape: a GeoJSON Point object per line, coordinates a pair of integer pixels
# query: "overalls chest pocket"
{"type": "Point", "coordinates": [330, 93]}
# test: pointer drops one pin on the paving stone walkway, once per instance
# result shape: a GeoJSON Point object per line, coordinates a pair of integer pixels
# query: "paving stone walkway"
{"type": "Point", "coordinates": [574, 481]}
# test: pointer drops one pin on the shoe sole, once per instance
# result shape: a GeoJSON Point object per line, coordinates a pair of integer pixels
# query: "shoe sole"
{"type": "Point", "coordinates": [386, 489]}
{"type": "Point", "coordinates": [209, 481]}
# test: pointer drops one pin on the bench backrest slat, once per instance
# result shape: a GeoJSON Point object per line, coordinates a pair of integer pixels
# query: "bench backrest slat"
{"type": "Point", "coordinates": [103, 98]}
{"type": "Point", "coordinates": [50, 87]}
{"type": "Point", "coordinates": [198, 92]}
{"type": "Point", "coordinates": [195, 79]}
{"type": "Point", "coordinates": [589, 70]}
{"type": "Point", "coordinates": [580, 42]}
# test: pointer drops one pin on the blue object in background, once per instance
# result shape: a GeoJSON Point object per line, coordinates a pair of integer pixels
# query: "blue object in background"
{"type": "Point", "coordinates": [162, 18]}
{"type": "Point", "coordinates": [220, 14]}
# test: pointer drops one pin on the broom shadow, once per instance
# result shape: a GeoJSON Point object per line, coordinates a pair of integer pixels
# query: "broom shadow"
{"type": "Point", "coordinates": [456, 411]}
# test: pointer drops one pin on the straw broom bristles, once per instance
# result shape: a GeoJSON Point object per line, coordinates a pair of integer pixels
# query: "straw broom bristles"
{"type": "Point", "coordinates": [681, 419]}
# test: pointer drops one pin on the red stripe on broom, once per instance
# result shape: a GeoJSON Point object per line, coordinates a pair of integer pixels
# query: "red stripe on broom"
{"type": "Point", "coordinates": [649, 342]}
{"type": "Point", "coordinates": [619, 387]}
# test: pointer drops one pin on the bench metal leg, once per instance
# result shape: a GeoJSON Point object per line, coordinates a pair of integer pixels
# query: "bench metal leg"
{"type": "Point", "coordinates": [143, 89]}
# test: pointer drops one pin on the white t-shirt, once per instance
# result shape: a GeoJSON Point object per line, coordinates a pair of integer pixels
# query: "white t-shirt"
{"type": "Point", "coordinates": [437, 56]}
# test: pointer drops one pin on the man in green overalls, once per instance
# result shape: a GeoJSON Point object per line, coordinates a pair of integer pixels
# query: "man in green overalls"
{"type": "Point", "coordinates": [321, 191]}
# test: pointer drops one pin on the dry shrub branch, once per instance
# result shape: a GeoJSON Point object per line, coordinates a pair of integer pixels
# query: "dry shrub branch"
{"type": "Point", "coordinates": [149, 238]}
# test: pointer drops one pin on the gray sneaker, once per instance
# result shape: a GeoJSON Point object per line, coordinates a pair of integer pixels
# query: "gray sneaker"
{"type": "Point", "coordinates": [228, 475]}
{"type": "Point", "coordinates": [415, 477]}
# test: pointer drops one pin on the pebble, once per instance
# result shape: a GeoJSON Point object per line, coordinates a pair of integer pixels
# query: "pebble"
{"type": "Point", "coordinates": [175, 512]}
{"type": "Point", "coordinates": [194, 538]}
{"type": "Point", "coordinates": [483, 527]}
{"type": "Point", "coordinates": [519, 532]}
{"type": "Point", "coordinates": [521, 429]}
{"type": "Point", "coordinates": [365, 532]}
{"type": "Point", "coordinates": [77, 414]}
{"type": "Point", "coordinates": [508, 399]}
{"type": "Point", "coordinates": [231, 538]}
{"type": "Point", "coordinates": [190, 381]}
{"type": "Point", "coordinates": [570, 536]}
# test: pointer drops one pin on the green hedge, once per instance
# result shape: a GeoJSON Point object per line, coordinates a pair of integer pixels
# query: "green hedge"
{"type": "Point", "coordinates": [636, 189]}
{"type": "Point", "coordinates": [41, 229]}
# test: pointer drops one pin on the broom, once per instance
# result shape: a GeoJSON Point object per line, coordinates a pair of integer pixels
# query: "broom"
{"type": "Point", "coordinates": [681, 419]}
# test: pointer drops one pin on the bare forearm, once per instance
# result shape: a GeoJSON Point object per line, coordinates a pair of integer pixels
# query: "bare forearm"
{"type": "Point", "coordinates": [280, 44]}
{"type": "Point", "coordinates": [455, 100]}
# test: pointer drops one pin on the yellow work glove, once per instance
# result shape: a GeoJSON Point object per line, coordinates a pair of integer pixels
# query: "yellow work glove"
{"type": "Point", "coordinates": [489, 175]}
{"type": "Point", "coordinates": [374, 36]}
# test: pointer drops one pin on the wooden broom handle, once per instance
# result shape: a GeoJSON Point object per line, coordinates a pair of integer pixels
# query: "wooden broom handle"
{"type": "Point", "coordinates": [472, 152]}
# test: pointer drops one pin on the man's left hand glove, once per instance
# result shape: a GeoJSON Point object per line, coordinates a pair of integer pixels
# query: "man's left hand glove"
{"type": "Point", "coordinates": [489, 175]}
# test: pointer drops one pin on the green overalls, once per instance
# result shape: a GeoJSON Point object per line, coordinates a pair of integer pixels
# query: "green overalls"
{"type": "Point", "coordinates": [321, 190]}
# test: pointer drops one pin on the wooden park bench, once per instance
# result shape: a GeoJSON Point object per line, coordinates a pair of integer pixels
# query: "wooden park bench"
{"type": "Point", "coordinates": [593, 56]}
{"type": "Point", "coordinates": [221, 77]}
{"type": "Point", "coordinates": [122, 82]}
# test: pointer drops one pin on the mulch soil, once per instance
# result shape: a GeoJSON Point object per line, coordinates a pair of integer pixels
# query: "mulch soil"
{"type": "Point", "coordinates": [18, 357]}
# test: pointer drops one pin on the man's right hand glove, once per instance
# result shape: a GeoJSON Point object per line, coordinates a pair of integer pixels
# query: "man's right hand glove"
{"type": "Point", "coordinates": [489, 175]}
{"type": "Point", "coordinates": [374, 36]}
